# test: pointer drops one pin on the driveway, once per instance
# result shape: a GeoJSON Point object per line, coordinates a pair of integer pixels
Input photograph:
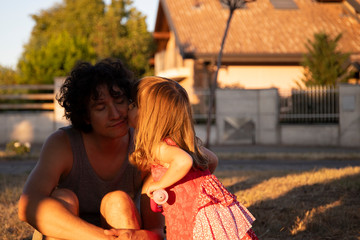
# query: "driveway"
{"type": "Point", "coordinates": [25, 166]}
{"type": "Point", "coordinates": [284, 164]}
{"type": "Point", "coordinates": [16, 166]}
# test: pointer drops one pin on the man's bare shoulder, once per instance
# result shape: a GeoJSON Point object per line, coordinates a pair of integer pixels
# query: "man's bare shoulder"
{"type": "Point", "coordinates": [55, 162]}
{"type": "Point", "coordinates": [58, 134]}
{"type": "Point", "coordinates": [57, 141]}
{"type": "Point", "coordinates": [57, 150]}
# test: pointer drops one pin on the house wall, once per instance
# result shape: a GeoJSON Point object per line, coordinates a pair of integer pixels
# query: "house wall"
{"type": "Point", "coordinates": [257, 77]}
{"type": "Point", "coordinates": [170, 64]}
{"type": "Point", "coordinates": [168, 59]}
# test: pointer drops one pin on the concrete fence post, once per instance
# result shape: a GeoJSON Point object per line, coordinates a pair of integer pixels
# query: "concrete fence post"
{"type": "Point", "coordinates": [349, 111]}
{"type": "Point", "coordinates": [247, 116]}
{"type": "Point", "coordinates": [59, 119]}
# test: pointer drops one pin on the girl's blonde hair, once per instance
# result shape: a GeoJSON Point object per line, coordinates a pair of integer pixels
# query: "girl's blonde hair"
{"type": "Point", "coordinates": [164, 112]}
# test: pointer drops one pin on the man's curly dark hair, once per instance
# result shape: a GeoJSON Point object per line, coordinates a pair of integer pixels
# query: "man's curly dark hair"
{"type": "Point", "coordinates": [82, 86]}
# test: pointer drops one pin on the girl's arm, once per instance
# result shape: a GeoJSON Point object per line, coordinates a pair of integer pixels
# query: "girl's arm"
{"type": "Point", "coordinates": [179, 164]}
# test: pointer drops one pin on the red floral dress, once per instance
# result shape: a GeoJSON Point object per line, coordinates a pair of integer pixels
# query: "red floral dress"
{"type": "Point", "coordinates": [200, 207]}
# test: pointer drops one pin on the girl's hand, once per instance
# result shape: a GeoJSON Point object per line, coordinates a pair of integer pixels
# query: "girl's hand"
{"type": "Point", "coordinates": [151, 188]}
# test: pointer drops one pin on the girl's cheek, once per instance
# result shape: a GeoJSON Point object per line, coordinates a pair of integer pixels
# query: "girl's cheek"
{"type": "Point", "coordinates": [132, 116]}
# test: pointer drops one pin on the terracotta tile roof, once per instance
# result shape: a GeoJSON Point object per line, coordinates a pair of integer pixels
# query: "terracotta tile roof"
{"type": "Point", "coordinates": [259, 28]}
{"type": "Point", "coordinates": [358, 1]}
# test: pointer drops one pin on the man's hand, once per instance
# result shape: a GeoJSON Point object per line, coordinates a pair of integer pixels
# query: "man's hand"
{"type": "Point", "coordinates": [123, 234]}
{"type": "Point", "coordinates": [119, 233]}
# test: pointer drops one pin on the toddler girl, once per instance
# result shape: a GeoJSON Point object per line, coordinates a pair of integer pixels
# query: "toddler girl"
{"type": "Point", "coordinates": [199, 206]}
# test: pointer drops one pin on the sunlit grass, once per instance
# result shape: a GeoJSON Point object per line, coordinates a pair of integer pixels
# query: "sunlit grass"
{"type": "Point", "coordinates": [301, 223]}
{"type": "Point", "coordinates": [279, 186]}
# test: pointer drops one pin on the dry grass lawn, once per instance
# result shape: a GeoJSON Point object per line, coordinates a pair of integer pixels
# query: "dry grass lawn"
{"type": "Point", "coordinates": [317, 204]}
{"type": "Point", "coordinates": [10, 227]}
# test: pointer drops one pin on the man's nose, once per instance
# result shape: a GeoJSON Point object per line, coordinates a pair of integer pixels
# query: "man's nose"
{"type": "Point", "coordinates": [115, 111]}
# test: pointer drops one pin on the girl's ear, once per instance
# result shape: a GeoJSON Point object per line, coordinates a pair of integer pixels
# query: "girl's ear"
{"type": "Point", "coordinates": [132, 105]}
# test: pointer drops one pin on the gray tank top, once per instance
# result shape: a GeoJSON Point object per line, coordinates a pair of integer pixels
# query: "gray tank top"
{"type": "Point", "coordinates": [88, 187]}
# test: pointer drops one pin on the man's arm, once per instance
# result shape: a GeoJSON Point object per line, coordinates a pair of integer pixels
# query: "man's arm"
{"type": "Point", "coordinates": [213, 159]}
{"type": "Point", "coordinates": [43, 212]}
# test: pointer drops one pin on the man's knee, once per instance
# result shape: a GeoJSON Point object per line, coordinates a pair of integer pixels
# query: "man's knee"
{"type": "Point", "coordinates": [68, 198]}
{"type": "Point", "coordinates": [119, 211]}
{"type": "Point", "coordinates": [118, 200]}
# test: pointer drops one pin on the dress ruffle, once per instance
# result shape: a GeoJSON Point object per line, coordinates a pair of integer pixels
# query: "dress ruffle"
{"type": "Point", "coordinates": [218, 213]}
{"type": "Point", "coordinates": [212, 191]}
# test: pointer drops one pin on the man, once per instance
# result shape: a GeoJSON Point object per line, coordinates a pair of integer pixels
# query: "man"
{"type": "Point", "coordinates": [83, 182]}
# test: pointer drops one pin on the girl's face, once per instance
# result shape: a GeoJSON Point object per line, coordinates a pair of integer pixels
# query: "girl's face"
{"type": "Point", "coordinates": [133, 115]}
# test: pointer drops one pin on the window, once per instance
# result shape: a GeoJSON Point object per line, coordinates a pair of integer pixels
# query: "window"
{"type": "Point", "coordinates": [284, 4]}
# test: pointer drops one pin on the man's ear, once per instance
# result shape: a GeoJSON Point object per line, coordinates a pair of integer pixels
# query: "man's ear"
{"type": "Point", "coordinates": [87, 118]}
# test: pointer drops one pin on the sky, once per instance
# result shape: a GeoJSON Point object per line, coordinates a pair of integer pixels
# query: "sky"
{"type": "Point", "coordinates": [16, 24]}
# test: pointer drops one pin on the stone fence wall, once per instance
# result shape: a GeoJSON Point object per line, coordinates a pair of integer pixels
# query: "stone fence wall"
{"type": "Point", "coordinates": [252, 116]}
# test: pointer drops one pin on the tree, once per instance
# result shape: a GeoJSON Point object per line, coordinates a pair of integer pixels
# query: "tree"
{"type": "Point", "coordinates": [8, 76]}
{"type": "Point", "coordinates": [55, 58]}
{"type": "Point", "coordinates": [86, 30]}
{"type": "Point", "coordinates": [129, 41]}
{"type": "Point", "coordinates": [232, 5]}
{"type": "Point", "coordinates": [324, 65]}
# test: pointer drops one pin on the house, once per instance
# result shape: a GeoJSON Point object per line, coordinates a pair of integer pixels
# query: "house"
{"type": "Point", "coordinates": [265, 43]}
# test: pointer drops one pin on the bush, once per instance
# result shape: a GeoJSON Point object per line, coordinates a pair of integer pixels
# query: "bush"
{"type": "Point", "coordinates": [18, 148]}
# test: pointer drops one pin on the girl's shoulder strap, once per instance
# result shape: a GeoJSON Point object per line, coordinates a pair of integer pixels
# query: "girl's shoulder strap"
{"type": "Point", "coordinates": [170, 142]}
